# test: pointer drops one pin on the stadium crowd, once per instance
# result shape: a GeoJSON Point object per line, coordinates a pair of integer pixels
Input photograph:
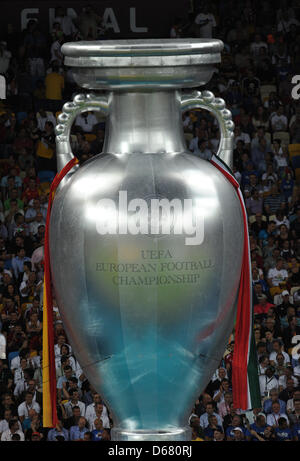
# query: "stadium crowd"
{"type": "Point", "coordinates": [261, 55]}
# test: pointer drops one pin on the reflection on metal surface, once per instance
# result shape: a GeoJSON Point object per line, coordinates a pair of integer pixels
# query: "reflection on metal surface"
{"type": "Point", "coordinates": [136, 287]}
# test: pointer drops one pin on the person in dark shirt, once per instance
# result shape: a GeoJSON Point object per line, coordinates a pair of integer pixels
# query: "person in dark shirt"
{"type": "Point", "coordinates": [237, 423]}
{"type": "Point", "coordinates": [295, 225]}
{"type": "Point", "coordinates": [8, 403]}
{"type": "Point", "coordinates": [258, 427]}
{"type": "Point", "coordinates": [212, 426]}
{"type": "Point", "coordinates": [251, 85]}
{"type": "Point", "coordinates": [268, 435]}
{"type": "Point", "coordinates": [258, 225]}
{"type": "Point", "coordinates": [97, 144]}
{"type": "Point", "coordinates": [6, 378]}
{"type": "Point", "coordinates": [270, 325]}
{"type": "Point", "coordinates": [287, 393]}
{"type": "Point", "coordinates": [227, 421]}
{"type": "Point", "coordinates": [281, 309]}
{"type": "Point", "coordinates": [289, 332]}
{"type": "Point", "coordinates": [73, 420]}
{"type": "Point", "coordinates": [20, 242]}
{"type": "Point", "coordinates": [215, 384]}
{"type": "Point", "coordinates": [36, 427]}
{"type": "Point", "coordinates": [283, 432]}
{"type": "Point", "coordinates": [200, 406]}
{"type": "Point", "coordinates": [97, 433]}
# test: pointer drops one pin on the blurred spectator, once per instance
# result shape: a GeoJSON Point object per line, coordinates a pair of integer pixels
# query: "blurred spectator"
{"type": "Point", "coordinates": [209, 412]}
{"type": "Point", "coordinates": [7, 436]}
{"type": "Point", "coordinates": [268, 381]}
{"type": "Point", "coordinates": [54, 86]}
{"type": "Point", "coordinates": [87, 23]}
{"type": "Point", "coordinates": [205, 22]}
{"type": "Point", "coordinates": [66, 24]}
{"type": "Point", "coordinates": [275, 414]}
{"type": "Point", "coordinates": [278, 120]}
{"type": "Point", "coordinates": [5, 57]}
{"type": "Point", "coordinates": [59, 430]}
{"type": "Point", "coordinates": [77, 432]}
{"type": "Point", "coordinates": [86, 122]}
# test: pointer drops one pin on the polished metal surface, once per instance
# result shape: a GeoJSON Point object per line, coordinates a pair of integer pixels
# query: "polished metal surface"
{"type": "Point", "coordinates": [175, 435]}
{"type": "Point", "coordinates": [143, 64]}
{"type": "Point", "coordinates": [206, 100]}
{"type": "Point", "coordinates": [148, 300]}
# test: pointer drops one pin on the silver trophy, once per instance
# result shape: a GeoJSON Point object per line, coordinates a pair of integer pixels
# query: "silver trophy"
{"type": "Point", "coordinates": [146, 238]}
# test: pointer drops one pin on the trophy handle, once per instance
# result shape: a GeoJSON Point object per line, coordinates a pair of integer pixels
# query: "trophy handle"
{"type": "Point", "coordinates": [206, 100]}
{"type": "Point", "coordinates": [81, 103]}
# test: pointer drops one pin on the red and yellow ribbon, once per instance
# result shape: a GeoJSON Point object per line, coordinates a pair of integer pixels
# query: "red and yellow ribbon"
{"type": "Point", "coordinates": [49, 372]}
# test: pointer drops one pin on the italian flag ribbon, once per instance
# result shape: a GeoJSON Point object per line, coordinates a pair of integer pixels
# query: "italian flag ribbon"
{"type": "Point", "coordinates": [245, 384]}
{"type": "Point", "coordinates": [49, 371]}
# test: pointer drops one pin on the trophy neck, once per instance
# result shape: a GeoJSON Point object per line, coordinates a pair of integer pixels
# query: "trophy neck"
{"type": "Point", "coordinates": [144, 122]}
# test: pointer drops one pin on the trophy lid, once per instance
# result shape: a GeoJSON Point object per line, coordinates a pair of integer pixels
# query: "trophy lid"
{"type": "Point", "coordinates": [144, 64]}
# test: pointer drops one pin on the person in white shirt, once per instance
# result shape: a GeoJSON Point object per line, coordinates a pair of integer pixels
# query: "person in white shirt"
{"type": "Point", "coordinates": [61, 341]}
{"type": "Point", "coordinates": [264, 363]}
{"type": "Point", "coordinates": [206, 22]}
{"type": "Point", "coordinates": [219, 395]}
{"type": "Point", "coordinates": [285, 11]}
{"type": "Point", "coordinates": [285, 23]}
{"type": "Point", "coordinates": [4, 423]}
{"type": "Point", "coordinates": [32, 362]}
{"type": "Point", "coordinates": [29, 385]}
{"type": "Point", "coordinates": [73, 402]}
{"type": "Point", "coordinates": [22, 385]}
{"type": "Point", "coordinates": [279, 156]}
{"type": "Point", "coordinates": [99, 414]}
{"type": "Point", "coordinates": [66, 359]}
{"type": "Point", "coordinates": [209, 411]}
{"type": "Point", "coordinates": [31, 284]}
{"type": "Point", "coordinates": [13, 429]}
{"type": "Point", "coordinates": [290, 407]}
{"type": "Point", "coordinates": [297, 369]}
{"type": "Point", "coordinates": [270, 175]}
{"type": "Point", "coordinates": [90, 412]}
{"type": "Point", "coordinates": [188, 124]}
{"type": "Point", "coordinates": [268, 382]}
{"type": "Point", "coordinates": [277, 274]}
{"type": "Point", "coordinates": [257, 44]}
{"type": "Point", "coordinates": [34, 225]}
{"type": "Point", "coordinates": [239, 135]}
{"type": "Point", "coordinates": [5, 57]}
{"type": "Point", "coordinates": [42, 117]}
{"type": "Point", "coordinates": [28, 404]}
{"type": "Point", "coordinates": [65, 21]}
{"type": "Point", "coordinates": [279, 121]}
{"type": "Point", "coordinates": [19, 373]}
{"type": "Point", "coordinates": [278, 349]}
{"type": "Point", "coordinates": [219, 374]}
{"type": "Point", "coordinates": [86, 121]}
{"type": "Point", "coordinates": [287, 378]}
{"type": "Point", "coordinates": [272, 418]}
{"type": "Point", "coordinates": [56, 54]}
{"type": "Point", "coordinates": [194, 143]}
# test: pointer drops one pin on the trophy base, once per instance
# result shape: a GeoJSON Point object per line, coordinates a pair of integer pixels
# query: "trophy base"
{"type": "Point", "coordinates": [181, 434]}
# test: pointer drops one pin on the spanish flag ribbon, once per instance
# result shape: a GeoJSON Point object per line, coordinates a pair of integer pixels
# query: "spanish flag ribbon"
{"type": "Point", "coordinates": [245, 384]}
{"type": "Point", "coordinates": [49, 372]}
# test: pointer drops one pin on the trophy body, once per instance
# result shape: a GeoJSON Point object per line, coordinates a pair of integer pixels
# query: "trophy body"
{"type": "Point", "coordinates": [146, 240]}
